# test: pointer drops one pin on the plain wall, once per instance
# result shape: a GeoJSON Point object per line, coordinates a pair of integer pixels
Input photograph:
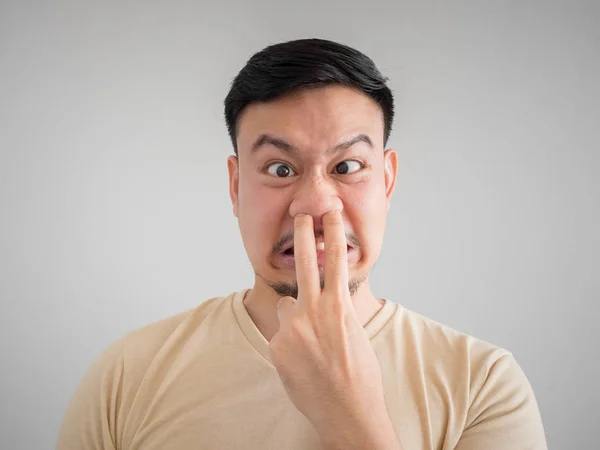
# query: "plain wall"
{"type": "Point", "coordinates": [113, 182]}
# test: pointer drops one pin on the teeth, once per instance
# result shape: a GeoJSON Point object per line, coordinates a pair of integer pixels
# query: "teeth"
{"type": "Point", "coordinates": [320, 245]}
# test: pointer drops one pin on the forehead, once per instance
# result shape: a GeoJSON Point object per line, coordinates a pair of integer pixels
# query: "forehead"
{"type": "Point", "coordinates": [315, 118]}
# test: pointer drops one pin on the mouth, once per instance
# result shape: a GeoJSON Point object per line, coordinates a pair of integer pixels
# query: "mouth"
{"type": "Point", "coordinates": [320, 248]}
{"type": "Point", "coordinates": [287, 259]}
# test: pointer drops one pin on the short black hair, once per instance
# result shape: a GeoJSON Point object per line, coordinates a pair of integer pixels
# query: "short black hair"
{"type": "Point", "coordinates": [282, 68]}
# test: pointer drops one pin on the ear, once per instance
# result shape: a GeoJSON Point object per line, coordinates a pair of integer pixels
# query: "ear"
{"type": "Point", "coordinates": [390, 162]}
{"type": "Point", "coordinates": [233, 168]}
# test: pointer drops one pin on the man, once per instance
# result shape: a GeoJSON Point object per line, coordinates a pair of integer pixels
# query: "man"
{"type": "Point", "coordinates": [307, 358]}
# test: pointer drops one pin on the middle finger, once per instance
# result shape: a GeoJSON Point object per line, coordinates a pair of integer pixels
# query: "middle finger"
{"type": "Point", "coordinates": [305, 259]}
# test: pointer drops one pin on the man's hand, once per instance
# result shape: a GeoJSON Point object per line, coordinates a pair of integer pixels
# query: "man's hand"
{"type": "Point", "coordinates": [321, 351]}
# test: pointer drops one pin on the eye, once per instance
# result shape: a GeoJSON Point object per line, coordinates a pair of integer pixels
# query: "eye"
{"type": "Point", "coordinates": [281, 170]}
{"type": "Point", "coordinates": [347, 167]}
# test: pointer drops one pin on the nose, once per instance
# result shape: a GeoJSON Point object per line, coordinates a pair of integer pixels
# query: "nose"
{"type": "Point", "coordinates": [315, 196]}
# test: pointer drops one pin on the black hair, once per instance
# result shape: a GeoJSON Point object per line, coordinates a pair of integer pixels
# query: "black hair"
{"type": "Point", "coordinates": [282, 68]}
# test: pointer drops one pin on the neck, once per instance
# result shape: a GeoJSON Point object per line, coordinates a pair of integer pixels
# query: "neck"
{"type": "Point", "coordinates": [261, 304]}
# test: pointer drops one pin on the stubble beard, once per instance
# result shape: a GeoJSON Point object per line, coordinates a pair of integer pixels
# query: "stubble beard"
{"type": "Point", "coordinates": [290, 289]}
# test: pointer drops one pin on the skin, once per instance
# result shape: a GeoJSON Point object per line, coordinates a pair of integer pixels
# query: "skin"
{"type": "Point", "coordinates": [313, 313]}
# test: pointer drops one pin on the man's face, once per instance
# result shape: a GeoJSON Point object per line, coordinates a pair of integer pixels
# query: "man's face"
{"type": "Point", "coordinates": [311, 152]}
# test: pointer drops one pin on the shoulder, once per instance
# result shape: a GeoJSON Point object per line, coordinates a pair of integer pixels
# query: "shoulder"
{"type": "Point", "coordinates": [473, 365]}
{"type": "Point", "coordinates": [447, 343]}
{"type": "Point", "coordinates": [145, 342]}
{"type": "Point", "coordinates": [501, 410]}
{"type": "Point", "coordinates": [109, 386]}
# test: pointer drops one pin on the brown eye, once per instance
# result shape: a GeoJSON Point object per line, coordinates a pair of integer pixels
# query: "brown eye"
{"type": "Point", "coordinates": [280, 170]}
{"type": "Point", "coordinates": [346, 167]}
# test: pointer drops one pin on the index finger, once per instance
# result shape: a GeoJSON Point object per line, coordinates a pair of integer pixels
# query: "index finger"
{"type": "Point", "coordinates": [305, 258]}
{"type": "Point", "coordinates": [336, 252]}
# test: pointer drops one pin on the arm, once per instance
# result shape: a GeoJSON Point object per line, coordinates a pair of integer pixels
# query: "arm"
{"type": "Point", "coordinates": [504, 413]}
{"type": "Point", "coordinates": [377, 435]}
{"type": "Point", "coordinates": [91, 418]}
{"type": "Point", "coordinates": [321, 351]}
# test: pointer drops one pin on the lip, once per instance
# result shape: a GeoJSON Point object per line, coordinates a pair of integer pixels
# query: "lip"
{"type": "Point", "coordinates": [288, 261]}
{"type": "Point", "coordinates": [291, 244]}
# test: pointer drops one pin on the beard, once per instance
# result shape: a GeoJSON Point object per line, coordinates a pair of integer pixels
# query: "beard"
{"type": "Point", "coordinates": [290, 289]}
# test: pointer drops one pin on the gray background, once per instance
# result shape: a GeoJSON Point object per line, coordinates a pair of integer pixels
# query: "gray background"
{"type": "Point", "coordinates": [113, 181]}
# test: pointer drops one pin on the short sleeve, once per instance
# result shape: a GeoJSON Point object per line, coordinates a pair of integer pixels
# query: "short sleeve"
{"type": "Point", "coordinates": [504, 414]}
{"type": "Point", "coordinates": [90, 421]}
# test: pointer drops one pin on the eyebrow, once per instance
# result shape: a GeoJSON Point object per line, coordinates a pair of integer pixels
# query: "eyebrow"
{"type": "Point", "coordinates": [266, 139]}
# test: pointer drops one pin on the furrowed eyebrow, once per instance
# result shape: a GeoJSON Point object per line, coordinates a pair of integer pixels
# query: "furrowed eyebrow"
{"type": "Point", "coordinates": [266, 139]}
{"type": "Point", "coordinates": [349, 143]}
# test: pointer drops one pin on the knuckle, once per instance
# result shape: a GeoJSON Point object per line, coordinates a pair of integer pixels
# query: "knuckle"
{"type": "Point", "coordinates": [303, 220]}
{"type": "Point", "coordinates": [332, 218]}
{"type": "Point", "coordinates": [336, 251]}
{"type": "Point", "coordinates": [339, 311]}
{"type": "Point", "coordinates": [304, 261]}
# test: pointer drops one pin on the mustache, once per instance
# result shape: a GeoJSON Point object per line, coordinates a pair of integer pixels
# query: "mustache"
{"type": "Point", "coordinates": [288, 238]}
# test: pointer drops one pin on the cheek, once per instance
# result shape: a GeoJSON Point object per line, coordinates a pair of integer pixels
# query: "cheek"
{"type": "Point", "coordinates": [259, 211]}
{"type": "Point", "coordinates": [367, 210]}
{"type": "Point", "coordinates": [368, 202]}
{"type": "Point", "coordinates": [259, 205]}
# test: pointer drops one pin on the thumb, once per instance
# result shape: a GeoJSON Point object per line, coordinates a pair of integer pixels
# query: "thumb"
{"type": "Point", "coordinates": [285, 307]}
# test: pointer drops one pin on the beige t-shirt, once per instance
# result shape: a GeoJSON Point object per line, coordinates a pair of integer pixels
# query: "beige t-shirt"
{"type": "Point", "coordinates": [203, 379]}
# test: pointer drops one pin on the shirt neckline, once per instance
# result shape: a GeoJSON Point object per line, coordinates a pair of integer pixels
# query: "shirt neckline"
{"type": "Point", "coordinates": [261, 345]}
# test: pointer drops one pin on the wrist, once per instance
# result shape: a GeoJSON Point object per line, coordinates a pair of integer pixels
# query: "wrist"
{"type": "Point", "coordinates": [374, 432]}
